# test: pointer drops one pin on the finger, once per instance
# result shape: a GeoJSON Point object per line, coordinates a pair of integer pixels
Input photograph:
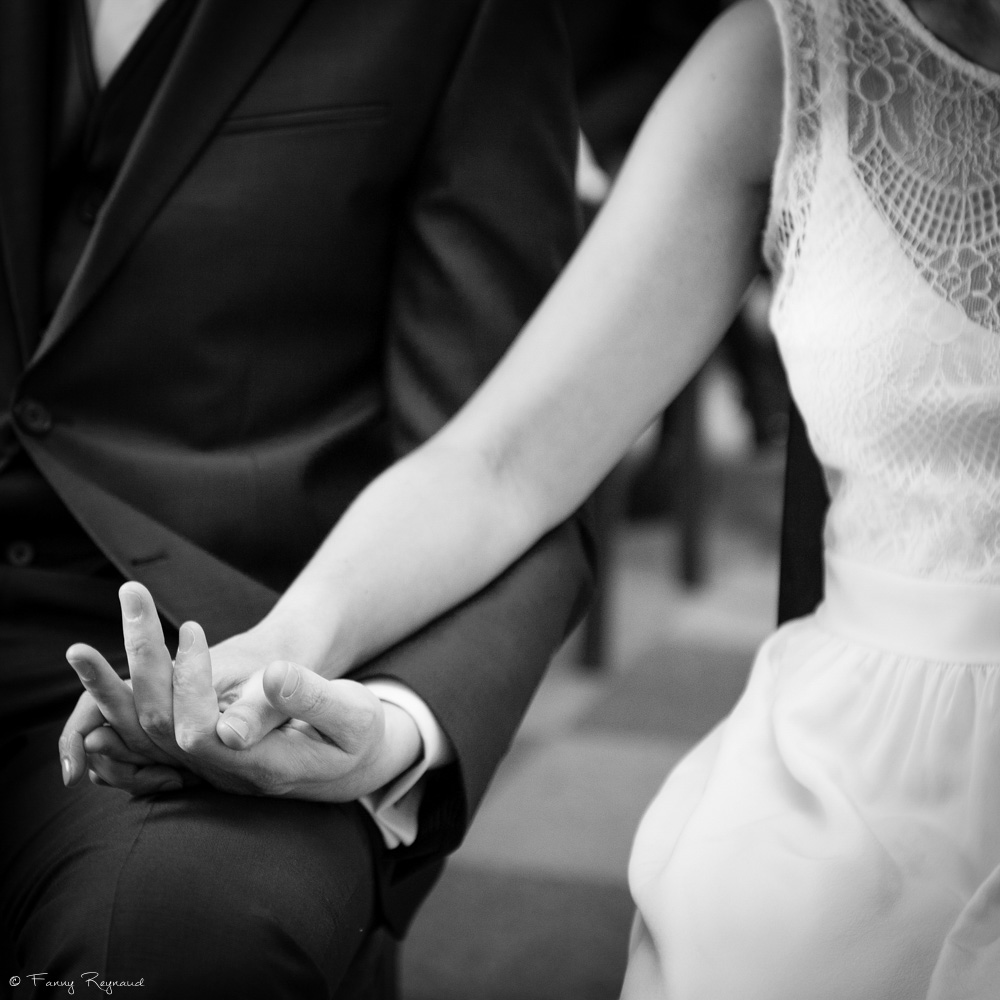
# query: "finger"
{"type": "Point", "coordinates": [195, 704]}
{"type": "Point", "coordinates": [154, 780]}
{"type": "Point", "coordinates": [115, 704]}
{"type": "Point", "coordinates": [250, 717]}
{"type": "Point", "coordinates": [73, 757]}
{"type": "Point", "coordinates": [345, 712]}
{"type": "Point", "coordinates": [106, 742]}
{"type": "Point", "coordinates": [85, 717]}
{"type": "Point", "coordinates": [132, 779]}
{"type": "Point", "coordinates": [110, 772]}
{"type": "Point", "coordinates": [149, 663]}
{"type": "Point", "coordinates": [307, 730]}
{"type": "Point", "coordinates": [111, 695]}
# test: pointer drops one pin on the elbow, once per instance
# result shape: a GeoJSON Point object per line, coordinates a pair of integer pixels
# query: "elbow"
{"type": "Point", "coordinates": [527, 500]}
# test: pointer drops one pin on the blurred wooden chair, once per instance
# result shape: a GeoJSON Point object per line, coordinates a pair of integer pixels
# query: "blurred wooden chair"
{"type": "Point", "coordinates": [677, 462]}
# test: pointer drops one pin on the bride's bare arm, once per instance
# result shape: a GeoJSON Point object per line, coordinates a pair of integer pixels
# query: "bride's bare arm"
{"type": "Point", "coordinates": [647, 296]}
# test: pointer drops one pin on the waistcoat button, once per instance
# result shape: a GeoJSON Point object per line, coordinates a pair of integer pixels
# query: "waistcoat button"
{"type": "Point", "coordinates": [20, 554]}
{"type": "Point", "coordinates": [33, 417]}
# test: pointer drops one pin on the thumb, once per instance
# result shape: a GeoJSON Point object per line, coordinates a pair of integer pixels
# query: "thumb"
{"type": "Point", "coordinates": [345, 712]}
{"type": "Point", "coordinates": [250, 718]}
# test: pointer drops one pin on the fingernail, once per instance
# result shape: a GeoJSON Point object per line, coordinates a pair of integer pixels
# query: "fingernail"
{"type": "Point", "coordinates": [83, 668]}
{"type": "Point", "coordinates": [291, 681]}
{"type": "Point", "coordinates": [239, 727]}
{"type": "Point", "coordinates": [66, 770]}
{"type": "Point", "coordinates": [131, 605]}
{"type": "Point", "coordinates": [185, 638]}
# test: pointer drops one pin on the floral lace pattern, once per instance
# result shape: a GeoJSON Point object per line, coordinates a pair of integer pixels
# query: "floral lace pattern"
{"type": "Point", "coordinates": [802, 129]}
{"type": "Point", "coordinates": [925, 141]}
{"type": "Point", "coordinates": [884, 237]}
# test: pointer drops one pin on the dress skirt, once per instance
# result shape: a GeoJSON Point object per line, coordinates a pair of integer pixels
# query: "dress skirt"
{"type": "Point", "coordinates": [838, 835]}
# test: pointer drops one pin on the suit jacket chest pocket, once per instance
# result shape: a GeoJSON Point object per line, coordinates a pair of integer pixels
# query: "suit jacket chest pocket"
{"type": "Point", "coordinates": [335, 116]}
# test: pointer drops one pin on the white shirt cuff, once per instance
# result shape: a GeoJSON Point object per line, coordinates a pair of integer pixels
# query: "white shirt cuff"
{"type": "Point", "coordinates": [396, 806]}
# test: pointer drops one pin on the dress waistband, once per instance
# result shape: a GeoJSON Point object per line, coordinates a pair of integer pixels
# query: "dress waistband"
{"type": "Point", "coordinates": [928, 619]}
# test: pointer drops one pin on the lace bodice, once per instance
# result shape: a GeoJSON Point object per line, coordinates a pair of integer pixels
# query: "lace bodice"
{"type": "Point", "coordinates": [884, 238]}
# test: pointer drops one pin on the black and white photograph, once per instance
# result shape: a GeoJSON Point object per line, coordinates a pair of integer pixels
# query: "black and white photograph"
{"type": "Point", "coordinates": [500, 499]}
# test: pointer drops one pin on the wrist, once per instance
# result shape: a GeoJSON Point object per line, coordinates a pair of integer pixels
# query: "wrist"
{"type": "Point", "coordinates": [304, 633]}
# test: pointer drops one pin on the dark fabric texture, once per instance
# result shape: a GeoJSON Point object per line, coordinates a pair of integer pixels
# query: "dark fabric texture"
{"type": "Point", "coordinates": [42, 613]}
{"type": "Point", "coordinates": [333, 220]}
{"type": "Point", "coordinates": [195, 890]}
{"type": "Point", "coordinates": [197, 893]}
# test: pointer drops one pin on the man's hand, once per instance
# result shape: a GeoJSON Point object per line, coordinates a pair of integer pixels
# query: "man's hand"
{"type": "Point", "coordinates": [342, 743]}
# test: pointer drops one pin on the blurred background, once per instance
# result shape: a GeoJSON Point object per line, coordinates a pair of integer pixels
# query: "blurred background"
{"type": "Point", "coordinates": [535, 905]}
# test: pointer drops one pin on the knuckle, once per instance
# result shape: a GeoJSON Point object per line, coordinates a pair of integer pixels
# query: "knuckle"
{"type": "Point", "coordinates": [186, 689]}
{"type": "Point", "coordinates": [156, 723]}
{"type": "Point", "coordinates": [183, 682]}
{"type": "Point", "coordinates": [364, 719]}
{"type": "Point", "coordinates": [140, 646]}
{"type": "Point", "coordinates": [136, 643]}
{"type": "Point", "coordinates": [100, 740]}
{"type": "Point", "coordinates": [262, 782]}
{"type": "Point", "coordinates": [313, 698]}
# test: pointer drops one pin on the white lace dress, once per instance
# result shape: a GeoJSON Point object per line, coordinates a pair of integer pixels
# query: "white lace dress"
{"type": "Point", "coordinates": [838, 835]}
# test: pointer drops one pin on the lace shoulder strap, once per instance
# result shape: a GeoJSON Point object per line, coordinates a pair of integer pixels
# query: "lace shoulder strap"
{"type": "Point", "coordinates": [798, 156]}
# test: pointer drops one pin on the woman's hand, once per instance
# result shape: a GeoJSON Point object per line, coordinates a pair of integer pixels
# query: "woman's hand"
{"type": "Point", "coordinates": [343, 742]}
{"type": "Point", "coordinates": [103, 735]}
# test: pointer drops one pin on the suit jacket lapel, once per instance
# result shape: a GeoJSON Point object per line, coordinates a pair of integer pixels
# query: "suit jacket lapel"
{"type": "Point", "coordinates": [23, 46]}
{"type": "Point", "coordinates": [224, 44]}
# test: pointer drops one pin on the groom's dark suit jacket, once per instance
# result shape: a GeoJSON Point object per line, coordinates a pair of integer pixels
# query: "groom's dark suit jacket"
{"type": "Point", "coordinates": [333, 220]}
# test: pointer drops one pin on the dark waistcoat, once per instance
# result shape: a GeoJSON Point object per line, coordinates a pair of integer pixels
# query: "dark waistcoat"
{"type": "Point", "coordinates": [89, 131]}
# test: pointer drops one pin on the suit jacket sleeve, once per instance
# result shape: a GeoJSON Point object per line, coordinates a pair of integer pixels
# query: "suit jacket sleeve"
{"type": "Point", "coordinates": [490, 219]}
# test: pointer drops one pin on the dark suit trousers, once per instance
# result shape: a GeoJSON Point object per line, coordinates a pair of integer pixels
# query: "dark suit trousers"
{"type": "Point", "coordinates": [197, 893]}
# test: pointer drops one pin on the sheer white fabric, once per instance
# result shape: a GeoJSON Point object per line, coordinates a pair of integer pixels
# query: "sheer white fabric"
{"type": "Point", "coordinates": [885, 237]}
{"type": "Point", "coordinates": [838, 835]}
